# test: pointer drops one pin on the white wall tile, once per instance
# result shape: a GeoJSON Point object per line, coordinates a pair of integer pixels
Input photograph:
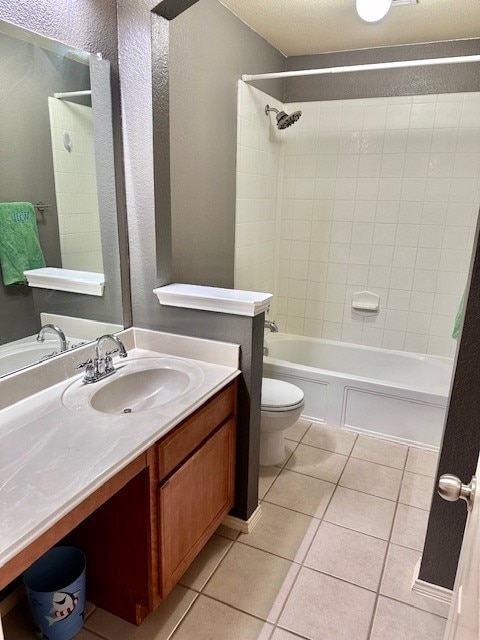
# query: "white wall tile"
{"type": "Point", "coordinates": [380, 193]}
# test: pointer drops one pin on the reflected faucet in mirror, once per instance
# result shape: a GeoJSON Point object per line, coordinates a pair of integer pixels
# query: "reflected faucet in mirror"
{"type": "Point", "coordinates": [53, 329]}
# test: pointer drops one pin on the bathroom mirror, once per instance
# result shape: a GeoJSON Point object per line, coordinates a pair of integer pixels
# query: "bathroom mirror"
{"type": "Point", "coordinates": [56, 158]}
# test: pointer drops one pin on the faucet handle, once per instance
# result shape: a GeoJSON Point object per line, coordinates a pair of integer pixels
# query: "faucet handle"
{"type": "Point", "coordinates": [84, 365]}
{"type": "Point", "coordinates": [89, 370]}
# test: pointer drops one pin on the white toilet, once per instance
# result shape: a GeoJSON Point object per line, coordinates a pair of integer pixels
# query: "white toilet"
{"type": "Point", "coordinates": [282, 405]}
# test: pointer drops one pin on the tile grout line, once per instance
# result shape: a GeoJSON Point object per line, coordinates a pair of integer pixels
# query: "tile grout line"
{"type": "Point", "coordinates": [186, 612]}
{"type": "Point", "coordinates": [302, 565]}
{"type": "Point", "coordinates": [375, 606]}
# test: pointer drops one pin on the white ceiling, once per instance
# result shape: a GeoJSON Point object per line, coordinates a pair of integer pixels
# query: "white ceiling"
{"type": "Point", "coordinates": [303, 27]}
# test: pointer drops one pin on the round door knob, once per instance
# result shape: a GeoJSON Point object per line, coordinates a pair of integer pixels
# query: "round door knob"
{"type": "Point", "coordinates": [451, 488]}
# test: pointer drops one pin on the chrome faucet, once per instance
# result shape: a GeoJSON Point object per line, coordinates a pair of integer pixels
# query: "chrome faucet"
{"type": "Point", "coordinates": [102, 365]}
{"type": "Point", "coordinates": [271, 325]}
{"type": "Point", "coordinates": [53, 329]}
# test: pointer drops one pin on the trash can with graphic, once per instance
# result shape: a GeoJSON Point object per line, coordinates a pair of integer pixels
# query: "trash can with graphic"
{"type": "Point", "coordinates": [55, 586]}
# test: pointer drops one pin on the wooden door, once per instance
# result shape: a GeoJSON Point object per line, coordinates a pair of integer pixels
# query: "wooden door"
{"type": "Point", "coordinates": [463, 620]}
{"type": "Point", "coordinates": [193, 502]}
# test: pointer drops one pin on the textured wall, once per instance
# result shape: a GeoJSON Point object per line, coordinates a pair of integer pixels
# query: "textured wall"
{"type": "Point", "coordinates": [391, 82]}
{"type": "Point", "coordinates": [215, 197]}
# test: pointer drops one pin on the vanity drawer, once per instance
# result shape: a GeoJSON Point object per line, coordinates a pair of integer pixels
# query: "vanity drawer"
{"type": "Point", "coordinates": [179, 444]}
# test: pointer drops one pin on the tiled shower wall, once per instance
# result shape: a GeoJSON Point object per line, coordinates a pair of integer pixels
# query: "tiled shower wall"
{"type": "Point", "coordinates": [379, 194]}
{"type": "Point", "coordinates": [259, 156]}
{"type": "Point", "coordinates": [76, 186]}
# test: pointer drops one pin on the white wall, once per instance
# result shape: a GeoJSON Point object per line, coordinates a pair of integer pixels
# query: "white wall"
{"type": "Point", "coordinates": [76, 186]}
{"type": "Point", "coordinates": [379, 194]}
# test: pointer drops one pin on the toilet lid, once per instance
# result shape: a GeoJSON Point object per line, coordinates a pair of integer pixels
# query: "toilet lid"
{"type": "Point", "coordinates": [278, 395]}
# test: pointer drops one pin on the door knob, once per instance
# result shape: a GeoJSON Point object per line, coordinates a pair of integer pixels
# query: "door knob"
{"type": "Point", "coordinates": [451, 488]}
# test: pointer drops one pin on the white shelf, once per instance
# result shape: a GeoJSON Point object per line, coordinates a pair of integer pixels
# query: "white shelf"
{"type": "Point", "coordinates": [233, 301]}
{"type": "Point", "coordinates": [86, 282]}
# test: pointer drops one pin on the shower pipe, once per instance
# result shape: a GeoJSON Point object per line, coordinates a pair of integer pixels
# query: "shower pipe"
{"type": "Point", "coordinates": [361, 67]}
{"type": "Point", "coordinates": [72, 94]}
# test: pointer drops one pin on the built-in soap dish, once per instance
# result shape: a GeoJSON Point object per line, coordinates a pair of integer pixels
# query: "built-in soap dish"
{"type": "Point", "coordinates": [365, 303]}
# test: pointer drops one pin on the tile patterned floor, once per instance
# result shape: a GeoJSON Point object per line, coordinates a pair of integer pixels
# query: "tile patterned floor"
{"type": "Point", "coordinates": [332, 557]}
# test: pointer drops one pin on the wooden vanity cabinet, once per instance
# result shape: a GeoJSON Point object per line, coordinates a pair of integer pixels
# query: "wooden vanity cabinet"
{"type": "Point", "coordinates": [140, 542]}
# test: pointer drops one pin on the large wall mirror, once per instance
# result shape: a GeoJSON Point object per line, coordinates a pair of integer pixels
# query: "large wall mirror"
{"type": "Point", "coordinates": [57, 200]}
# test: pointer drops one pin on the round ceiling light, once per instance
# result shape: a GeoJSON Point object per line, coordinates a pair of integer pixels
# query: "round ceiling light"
{"type": "Point", "coordinates": [373, 10]}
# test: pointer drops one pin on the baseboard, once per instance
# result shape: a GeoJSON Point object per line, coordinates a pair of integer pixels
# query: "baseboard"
{"type": "Point", "coordinates": [12, 600]}
{"type": "Point", "coordinates": [441, 594]}
{"type": "Point", "coordinates": [244, 526]}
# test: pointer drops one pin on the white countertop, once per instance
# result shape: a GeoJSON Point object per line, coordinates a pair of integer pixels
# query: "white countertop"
{"type": "Point", "coordinates": [52, 457]}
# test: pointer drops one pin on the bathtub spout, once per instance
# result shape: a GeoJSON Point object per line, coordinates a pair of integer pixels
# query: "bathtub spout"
{"type": "Point", "coordinates": [271, 325]}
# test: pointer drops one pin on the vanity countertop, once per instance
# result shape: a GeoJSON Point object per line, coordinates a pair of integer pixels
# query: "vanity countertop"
{"type": "Point", "coordinates": [53, 457]}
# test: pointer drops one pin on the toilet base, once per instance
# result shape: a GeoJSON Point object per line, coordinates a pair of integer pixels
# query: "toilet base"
{"type": "Point", "coordinates": [272, 448]}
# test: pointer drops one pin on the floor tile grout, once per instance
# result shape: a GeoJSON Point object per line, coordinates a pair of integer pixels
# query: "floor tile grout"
{"type": "Point", "coordinates": [382, 573]}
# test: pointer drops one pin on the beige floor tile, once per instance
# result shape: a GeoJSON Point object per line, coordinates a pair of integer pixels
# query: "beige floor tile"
{"type": "Point", "coordinates": [318, 463]}
{"type": "Point", "coordinates": [252, 581]}
{"type": "Point", "coordinates": [283, 532]}
{"type": "Point", "coordinates": [227, 532]}
{"type": "Point", "coordinates": [398, 577]}
{"type": "Point", "coordinates": [347, 554]}
{"type": "Point", "coordinates": [290, 448]}
{"type": "Point", "coordinates": [211, 620]}
{"type": "Point", "coordinates": [417, 490]}
{"type": "Point", "coordinates": [281, 634]}
{"type": "Point", "coordinates": [205, 563]}
{"type": "Point", "coordinates": [157, 626]}
{"type": "Point", "coordinates": [301, 493]}
{"type": "Point", "coordinates": [410, 527]}
{"type": "Point", "coordinates": [398, 621]}
{"type": "Point", "coordinates": [266, 479]}
{"type": "Point", "coordinates": [322, 607]}
{"type": "Point", "coordinates": [423, 462]}
{"type": "Point", "coordinates": [380, 451]}
{"type": "Point", "coordinates": [361, 512]}
{"type": "Point", "coordinates": [298, 430]}
{"type": "Point", "coordinates": [372, 478]}
{"type": "Point", "coordinates": [336, 440]}
{"type": "Point", "coordinates": [89, 609]}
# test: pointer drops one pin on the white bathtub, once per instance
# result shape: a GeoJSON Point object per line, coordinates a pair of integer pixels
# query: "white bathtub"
{"type": "Point", "coordinates": [398, 395]}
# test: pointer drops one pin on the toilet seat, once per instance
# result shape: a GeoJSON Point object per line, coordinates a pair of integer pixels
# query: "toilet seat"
{"type": "Point", "coordinates": [278, 395]}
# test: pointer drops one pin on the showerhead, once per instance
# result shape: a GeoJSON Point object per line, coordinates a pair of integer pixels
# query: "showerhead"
{"type": "Point", "coordinates": [284, 120]}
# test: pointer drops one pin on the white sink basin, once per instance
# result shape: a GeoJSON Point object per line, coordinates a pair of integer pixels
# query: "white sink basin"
{"type": "Point", "coordinates": [137, 385]}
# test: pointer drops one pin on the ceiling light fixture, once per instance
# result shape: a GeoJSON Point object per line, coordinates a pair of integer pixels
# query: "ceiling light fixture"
{"type": "Point", "coordinates": [373, 10]}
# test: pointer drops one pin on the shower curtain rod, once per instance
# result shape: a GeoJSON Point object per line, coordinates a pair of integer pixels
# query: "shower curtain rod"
{"type": "Point", "coordinates": [361, 67]}
{"type": "Point", "coordinates": [72, 94]}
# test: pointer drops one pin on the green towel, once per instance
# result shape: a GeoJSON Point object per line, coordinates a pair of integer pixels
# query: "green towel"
{"type": "Point", "coordinates": [459, 318]}
{"type": "Point", "coordinates": [19, 244]}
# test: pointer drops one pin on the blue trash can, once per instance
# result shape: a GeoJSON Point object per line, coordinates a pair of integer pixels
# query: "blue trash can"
{"type": "Point", "coordinates": [55, 586]}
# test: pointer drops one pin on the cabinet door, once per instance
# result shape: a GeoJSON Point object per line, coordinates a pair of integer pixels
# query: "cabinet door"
{"type": "Point", "coordinates": [193, 502]}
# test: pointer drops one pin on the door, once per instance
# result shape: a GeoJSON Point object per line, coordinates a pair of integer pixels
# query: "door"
{"type": "Point", "coordinates": [463, 620]}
